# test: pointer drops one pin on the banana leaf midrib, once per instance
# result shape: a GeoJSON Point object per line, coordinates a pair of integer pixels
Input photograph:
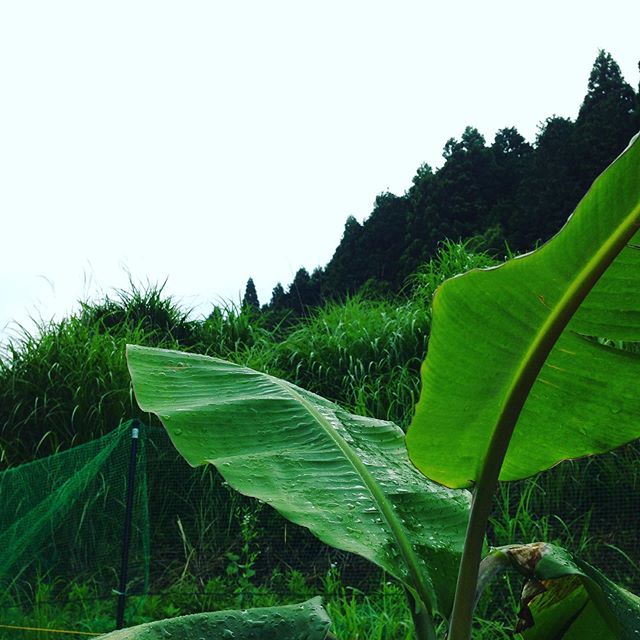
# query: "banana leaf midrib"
{"type": "Point", "coordinates": [550, 330]}
{"type": "Point", "coordinates": [384, 505]}
{"type": "Point", "coordinates": [517, 391]}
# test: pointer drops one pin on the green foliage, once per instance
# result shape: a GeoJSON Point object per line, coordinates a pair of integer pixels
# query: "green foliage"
{"type": "Point", "coordinates": [287, 447]}
{"type": "Point", "coordinates": [382, 614]}
{"type": "Point", "coordinates": [231, 332]}
{"type": "Point", "coordinates": [242, 564]}
{"type": "Point", "coordinates": [346, 270]}
{"type": "Point", "coordinates": [452, 259]}
{"type": "Point", "coordinates": [584, 281]}
{"type": "Point", "coordinates": [363, 354]}
{"type": "Point", "coordinates": [304, 292]}
{"type": "Point", "coordinates": [342, 342]}
{"type": "Point", "coordinates": [518, 520]}
{"type": "Point", "coordinates": [250, 298]}
{"type": "Point", "coordinates": [522, 190]}
{"type": "Point", "coordinates": [144, 309]}
{"type": "Point", "coordinates": [67, 382]}
{"type": "Point", "coordinates": [65, 385]}
{"type": "Point", "coordinates": [533, 361]}
{"type": "Point", "coordinates": [548, 188]}
{"type": "Point", "coordinates": [606, 119]}
{"type": "Point", "coordinates": [275, 441]}
{"type": "Point", "coordinates": [565, 598]}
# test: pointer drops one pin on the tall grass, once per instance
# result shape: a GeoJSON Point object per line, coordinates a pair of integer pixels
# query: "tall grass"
{"type": "Point", "coordinates": [362, 354]}
{"type": "Point", "coordinates": [79, 606]}
{"type": "Point", "coordinates": [67, 383]}
{"type": "Point", "coordinates": [366, 354]}
{"type": "Point", "coordinates": [451, 259]}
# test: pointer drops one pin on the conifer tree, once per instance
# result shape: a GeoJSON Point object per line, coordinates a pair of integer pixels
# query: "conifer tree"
{"type": "Point", "coordinates": [607, 118]}
{"type": "Point", "coordinates": [250, 299]}
{"type": "Point", "coordinates": [606, 86]}
{"type": "Point", "coordinates": [549, 190]}
{"type": "Point", "coordinates": [463, 191]}
{"type": "Point", "coordinates": [279, 298]}
{"type": "Point", "coordinates": [304, 291]}
{"type": "Point", "coordinates": [416, 250]}
{"type": "Point", "coordinates": [512, 191]}
{"type": "Point", "coordinates": [344, 272]}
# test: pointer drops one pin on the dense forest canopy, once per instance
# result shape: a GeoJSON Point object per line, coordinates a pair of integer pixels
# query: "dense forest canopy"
{"type": "Point", "coordinates": [509, 193]}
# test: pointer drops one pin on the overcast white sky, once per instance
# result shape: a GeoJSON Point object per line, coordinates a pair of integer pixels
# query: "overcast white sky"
{"type": "Point", "coordinates": [206, 142]}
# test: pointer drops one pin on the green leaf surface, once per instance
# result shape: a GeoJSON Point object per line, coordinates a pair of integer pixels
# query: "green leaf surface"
{"type": "Point", "coordinates": [306, 621]}
{"type": "Point", "coordinates": [345, 477]}
{"type": "Point", "coordinates": [512, 343]}
{"type": "Point", "coordinates": [567, 599]}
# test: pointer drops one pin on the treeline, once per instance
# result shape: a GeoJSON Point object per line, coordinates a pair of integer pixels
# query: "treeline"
{"type": "Point", "coordinates": [509, 192]}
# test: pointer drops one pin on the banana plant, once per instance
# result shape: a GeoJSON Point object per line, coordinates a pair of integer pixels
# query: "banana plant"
{"type": "Point", "coordinates": [516, 379]}
{"type": "Point", "coordinates": [345, 477]}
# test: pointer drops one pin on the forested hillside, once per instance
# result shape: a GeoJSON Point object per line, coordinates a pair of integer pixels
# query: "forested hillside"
{"type": "Point", "coordinates": [508, 192]}
{"type": "Point", "coordinates": [355, 332]}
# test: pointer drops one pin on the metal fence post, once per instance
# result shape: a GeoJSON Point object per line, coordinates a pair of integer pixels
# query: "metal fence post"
{"type": "Point", "coordinates": [126, 536]}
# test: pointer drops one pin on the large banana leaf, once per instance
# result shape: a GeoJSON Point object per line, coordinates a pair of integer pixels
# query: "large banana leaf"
{"type": "Point", "coordinates": [345, 477]}
{"type": "Point", "coordinates": [512, 343]}
{"type": "Point", "coordinates": [306, 621]}
{"type": "Point", "coordinates": [565, 598]}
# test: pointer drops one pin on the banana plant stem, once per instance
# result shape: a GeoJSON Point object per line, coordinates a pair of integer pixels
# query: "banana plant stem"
{"type": "Point", "coordinates": [533, 360]}
{"type": "Point", "coordinates": [462, 615]}
{"type": "Point", "coordinates": [422, 622]}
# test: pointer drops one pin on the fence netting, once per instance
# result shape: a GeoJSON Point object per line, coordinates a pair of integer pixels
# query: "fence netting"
{"type": "Point", "coordinates": [198, 545]}
{"type": "Point", "coordinates": [62, 516]}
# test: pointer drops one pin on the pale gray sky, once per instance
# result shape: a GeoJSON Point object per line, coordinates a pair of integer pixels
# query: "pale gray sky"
{"type": "Point", "coordinates": [206, 142]}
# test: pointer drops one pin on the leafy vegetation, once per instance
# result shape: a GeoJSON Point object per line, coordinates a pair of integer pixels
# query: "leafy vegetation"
{"type": "Point", "coordinates": [380, 614]}
{"type": "Point", "coordinates": [563, 597]}
{"type": "Point", "coordinates": [346, 478]}
{"type": "Point", "coordinates": [312, 461]}
{"type": "Point", "coordinates": [532, 362]}
{"type": "Point", "coordinates": [67, 382]}
{"type": "Point", "coordinates": [509, 191]}
{"type": "Point", "coordinates": [583, 505]}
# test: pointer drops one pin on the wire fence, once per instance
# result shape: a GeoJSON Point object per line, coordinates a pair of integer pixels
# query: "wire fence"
{"type": "Point", "coordinates": [197, 545]}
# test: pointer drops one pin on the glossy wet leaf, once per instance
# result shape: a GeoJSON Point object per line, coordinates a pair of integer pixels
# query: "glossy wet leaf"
{"type": "Point", "coordinates": [512, 343]}
{"type": "Point", "coordinates": [345, 477]}
{"type": "Point", "coordinates": [567, 599]}
{"type": "Point", "coordinates": [306, 621]}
